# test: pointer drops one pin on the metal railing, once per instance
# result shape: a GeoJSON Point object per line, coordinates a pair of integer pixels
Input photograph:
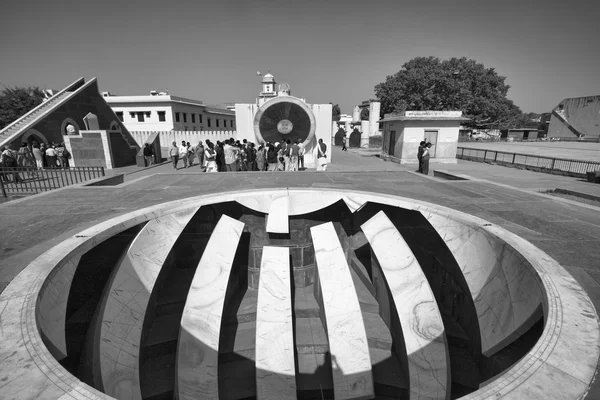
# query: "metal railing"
{"type": "Point", "coordinates": [29, 180]}
{"type": "Point", "coordinates": [560, 166]}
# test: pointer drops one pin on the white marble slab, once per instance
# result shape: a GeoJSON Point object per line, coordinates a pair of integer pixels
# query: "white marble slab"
{"type": "Point", "coordinates": [351, 362]}
{"type": "Point", "coordinates": [127, 300]}
{"type": "Point", "coordinates": [505, 289]}
{"type": "Point", "coordinates": [417, 310]}
{"type": "Point", "coordinates": [278, 218]}
{"type": "Point", "coordinates": [275, 369]}
{"type": "Point", "coordinates": [51, 314]}
{"type": "Point", "coordinates": [198, 347]}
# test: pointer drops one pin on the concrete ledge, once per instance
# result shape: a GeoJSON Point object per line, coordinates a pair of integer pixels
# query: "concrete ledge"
{"type": "Point", "coordinates": [577, 194]}
{"type": "Point", "coordinates": [451, 176]}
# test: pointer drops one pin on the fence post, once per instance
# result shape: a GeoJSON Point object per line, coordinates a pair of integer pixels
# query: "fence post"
{"type": "Point", "coordinates": [484, 155]}
{"type": "Point", "coordinates": [2, 187]}
{"type": "Point", "coordinates": [496, 157]}
{"type": "Point", "coordinates": [514, 155]}
{"type": "Point", "coordinates": [552, 165]}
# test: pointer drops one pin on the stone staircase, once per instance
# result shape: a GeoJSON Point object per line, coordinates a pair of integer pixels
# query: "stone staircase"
{"type": "Point", "coordinates": [28, 119]}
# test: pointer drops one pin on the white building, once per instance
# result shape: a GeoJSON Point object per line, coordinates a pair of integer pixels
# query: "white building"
{"type": "Point", "coordinates": [163, 112]}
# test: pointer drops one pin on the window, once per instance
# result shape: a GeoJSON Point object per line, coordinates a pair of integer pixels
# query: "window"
{"type": "Point", "coordinates": [120, 115]}
{"type": "Point", "coordinates": [217, 122]}
{"type": "Point", "coordinates": [200, 118]}
{"type": "Point", "coordinates": [132, 114]}
{"type": "Point", "coordinates": [184, 117]}
{"type": "Point", "coordinates": [140, 116]}
{"type": "Point", "coordinates": [231, 123]}
{"type": "Point", "coordinates": [161, 116]}
{"type": "Point", "coordinates": [193, 118]}
{"type": "Point", "coordinates": [208, 121]}
{"type": "Point", "coordinates": [148, 113]}
{"type": "Point", "coordinates": [177, 117]}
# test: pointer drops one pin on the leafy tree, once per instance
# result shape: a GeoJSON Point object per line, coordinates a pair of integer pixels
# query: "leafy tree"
{"type": "Point", "coordinates": [428, 83]}
{"type": "Point", "coordinates": [336, 112]}
{"type": "Point", "coordinates": [14, 102]}
{"type": "Point", "coordinates": [364, 114]}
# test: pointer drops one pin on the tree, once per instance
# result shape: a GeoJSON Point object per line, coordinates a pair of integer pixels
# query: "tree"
{"type": "Point", "coordinates": [17, 101]}
{"type": "Point", "coordinates": [428, 83]}
{"type": "Point", "coordinates": [336, 112]}
{"type": "Point", "coordinates": [364, 114]}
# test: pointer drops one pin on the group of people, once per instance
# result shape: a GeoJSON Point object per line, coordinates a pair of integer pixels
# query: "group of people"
{"type": "Point", "coordinates": [232, 155]}
{"type": "Point", "coordinates": [37, 156]}
{"type": "Point", "coordinates": [423, 155]}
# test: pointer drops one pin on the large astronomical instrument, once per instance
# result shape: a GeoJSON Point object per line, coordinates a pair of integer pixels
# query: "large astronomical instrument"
{"type": "Point", "coordinates": [284, 118]}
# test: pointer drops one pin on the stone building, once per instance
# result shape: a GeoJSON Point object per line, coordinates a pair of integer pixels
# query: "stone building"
{"type": "Point", "coordinates": [577, 117]}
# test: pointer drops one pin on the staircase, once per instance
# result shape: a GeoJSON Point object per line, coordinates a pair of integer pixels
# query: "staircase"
{"type": "Point", "coordinates": [21, 124]}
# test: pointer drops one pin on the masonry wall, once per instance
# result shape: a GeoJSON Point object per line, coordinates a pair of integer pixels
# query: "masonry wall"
{"type": "Point", "coordinates": [582, 113]}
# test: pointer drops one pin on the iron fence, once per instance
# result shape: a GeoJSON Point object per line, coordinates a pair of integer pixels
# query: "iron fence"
{"type": "Point", "coordinates": [560, 166]}
{"type": "Point", "coordinates": [29, 180]}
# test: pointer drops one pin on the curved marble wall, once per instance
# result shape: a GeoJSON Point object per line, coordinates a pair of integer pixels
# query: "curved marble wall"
{"type": "Point", "coordinates": [509, 279]}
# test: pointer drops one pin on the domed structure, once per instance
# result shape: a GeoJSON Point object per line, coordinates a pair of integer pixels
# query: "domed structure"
{"type": "Point", "coordinates": [296, 293]}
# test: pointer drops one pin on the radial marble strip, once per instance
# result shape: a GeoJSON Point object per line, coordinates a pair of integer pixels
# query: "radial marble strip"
{"type": "Point", "coordinates": [198, 347]}
{"type": "Point", "coordinates": [350, 359]}
{"type": "Point", "coordinates": [419, 317]}
{"type": "Point", "coordinates": [278, 218]}
{"type": "Point", "coordinates": [275, 369]}
{"type": "Point", "coordinates": [127, 300]}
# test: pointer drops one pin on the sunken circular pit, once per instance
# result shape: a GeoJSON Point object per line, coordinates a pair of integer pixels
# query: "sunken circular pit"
{"type": "Point", "coordinates": [296, 293]}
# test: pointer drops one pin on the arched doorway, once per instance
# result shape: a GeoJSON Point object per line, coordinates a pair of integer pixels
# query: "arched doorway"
{"type": "Point", "coordinates": [33, 135]}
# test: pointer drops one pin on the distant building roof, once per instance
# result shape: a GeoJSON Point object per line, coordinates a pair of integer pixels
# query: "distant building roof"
{"type": "Point", "coordinates": [425, 115]}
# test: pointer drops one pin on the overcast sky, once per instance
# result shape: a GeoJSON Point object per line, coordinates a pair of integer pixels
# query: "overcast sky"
{"type": "Point", "coordinates": [327, 51]}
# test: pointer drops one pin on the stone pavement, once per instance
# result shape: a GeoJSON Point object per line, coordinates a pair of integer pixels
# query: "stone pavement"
{"type": "Point", "coordinates": [569, 232]}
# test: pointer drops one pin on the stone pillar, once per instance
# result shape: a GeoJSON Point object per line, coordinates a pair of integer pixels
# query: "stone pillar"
{"type": "Point", "coordinates": [356, 114]}
{"type": "Point", "coordinates": [364, 136]}
{"type": "Point", "coordinates": [334, 129]}
{"type": "Point", "coordinates": [348, 128]}
{"type": "Point", "coordinates": [374, 109]}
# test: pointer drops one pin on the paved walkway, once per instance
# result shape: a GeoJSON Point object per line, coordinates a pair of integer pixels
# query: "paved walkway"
{"type": "Point", "coordinates": [567, 231]}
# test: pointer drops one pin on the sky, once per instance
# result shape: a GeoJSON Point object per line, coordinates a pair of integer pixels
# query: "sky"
{"type": "Point", "coordinates": [326, 50]}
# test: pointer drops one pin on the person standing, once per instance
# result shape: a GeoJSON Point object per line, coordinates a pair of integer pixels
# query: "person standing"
{"type": "Point", "coordinates": [183, 152]}
{"type": "Point", "coordinates": [344, 143]}
{"type": "Point", "coordinates": [37, 154]}
{"type": "Point", "coordinates": [51, 157]}
{"type": "Point", "coordinates": [231, 154]}
{"type": "Point", "coordinates": [200, 155]}
{"type": "Point", "coordinates": [272, 158]}
{"type": "Point", "coordinates": [211, 156]}
{"type": "Point", "coordinates": [300, 154]}
{"type": "Point", "coordinates": [174, 154]}
{"type": "Point", "coordinates": [220, 159]}
{"type": "Point", "coordinates": [43, 149]}
{"type": "Point", "coordinates": [260, 159]}
{"type": "Point", "coordinates": [420, 156]}
{"type": "Point", "coordinates": [426, 155]}
{"type": "Point", "coordinates": [148, 154]}
{"type": "Point", "coordinates": [294, 150]}
{"type": "Point", "coordinates": [321, 156]}
{"type": "Point", "coordinates": [191, 154]}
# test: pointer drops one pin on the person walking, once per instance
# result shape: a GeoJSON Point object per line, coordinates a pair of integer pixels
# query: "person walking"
{"type": "Point", "coordinates": [174, 154]}
{"type": "Point", "coordinates": [183, 152]}
{"type": "Point", "coordinates": [425, 157]}
{"type": "Point", "coordinates": [344, 143]}
{"type": "Point", "coordinates": [148, 154]}
{"type": "Point", "coordinates": [191, 154]}
{"type": "Point", "coordinates": [420, 156]}
{"type": "Point", "coordinates": [200, 154]}
{"type": "Point", "coordinates": [321, 156]}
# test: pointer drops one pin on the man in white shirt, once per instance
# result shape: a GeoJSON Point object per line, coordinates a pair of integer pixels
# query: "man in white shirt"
{"type": "Point", "coordinates": [230, 156]}
{"type": "Point", "coordinates": [183, 150]}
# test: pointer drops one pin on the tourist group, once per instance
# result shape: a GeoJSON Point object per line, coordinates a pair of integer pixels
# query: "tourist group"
{"type": "Point", "coordinates": [232, 155]}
